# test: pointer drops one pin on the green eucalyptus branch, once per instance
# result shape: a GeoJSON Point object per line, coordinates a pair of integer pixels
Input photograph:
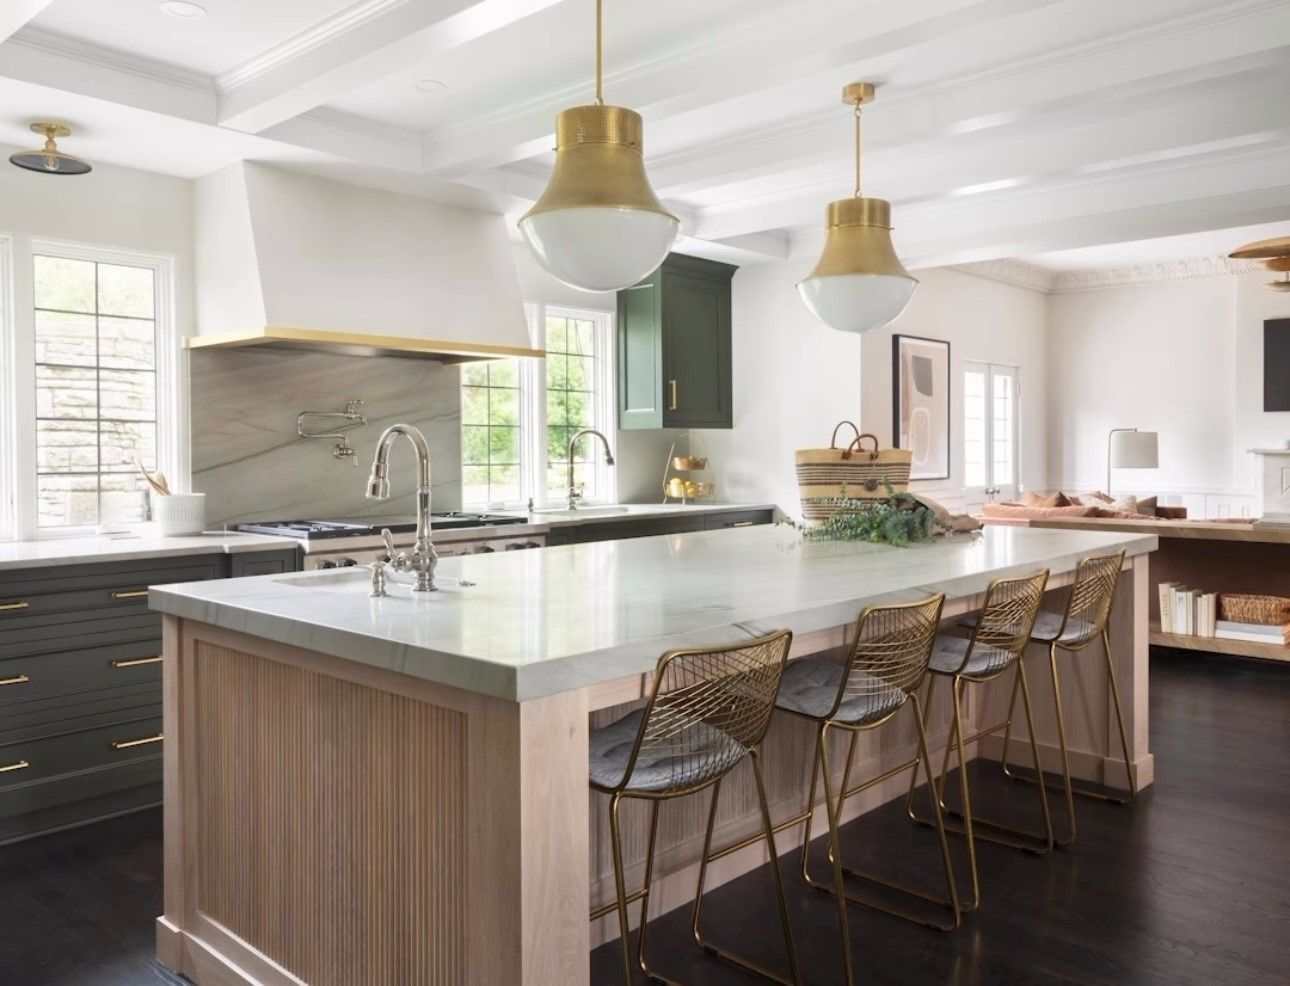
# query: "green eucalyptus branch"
{"type": "Point", "coordinates": [899, 519]}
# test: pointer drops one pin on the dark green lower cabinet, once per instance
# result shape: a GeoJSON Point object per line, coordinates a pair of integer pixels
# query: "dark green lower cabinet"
{"type": "Point", "coordinates": [80, 686]}
{"type": "Point", "coordinates": [619, 530]}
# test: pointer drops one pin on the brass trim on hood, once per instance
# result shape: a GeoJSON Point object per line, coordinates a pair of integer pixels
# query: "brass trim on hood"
{"type": "Point", "coordinates": [359, 344]}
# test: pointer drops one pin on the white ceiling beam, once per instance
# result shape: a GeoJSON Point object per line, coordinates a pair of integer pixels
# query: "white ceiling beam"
{"type": "Point", "coordinates": [353, 49]}
{"type": "Point", "coordinates": [981, 164]}
{"type": "Point", "coordinates": [1163, 201]}
{"type": "Point", "coordinates": [1131, 67]}
{"type": "Point", "coordinates": [756, 56]}
{"type": "Point", "coordinates": [15, 14]}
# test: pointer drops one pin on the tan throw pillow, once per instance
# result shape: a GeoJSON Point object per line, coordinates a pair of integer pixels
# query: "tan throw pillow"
{"type": "Point", "coordinates": [1100, 497]}
{"type": "Point", "coordinates": [1124, 505]}
{"type": "Point", "coordinates": [1073, 500]}
{"type": "Point", "coordinates": [1046, 501]}
{"type": "Point", "coordinates": [1147, 506]}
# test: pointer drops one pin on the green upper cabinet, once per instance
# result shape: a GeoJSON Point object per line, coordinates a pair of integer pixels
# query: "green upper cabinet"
{"type": "Point", "coordinates": [674, 347]}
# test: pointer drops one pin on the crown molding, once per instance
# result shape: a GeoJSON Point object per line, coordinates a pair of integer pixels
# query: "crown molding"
{"type": "Point", "coordinates": [1164, 272]}
{"type": "Point", "coordinates": [1011, 271]}
{"type": "Point", "coordinates": [361, 126]}
{"type": "Point", "coordinates": [51, 43]}
{"type": "Point", "coordinates": [344, 21]}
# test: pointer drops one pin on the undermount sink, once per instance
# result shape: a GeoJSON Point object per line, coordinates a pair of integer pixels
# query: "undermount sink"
{"type": "Point", "coordinates": [566, 513]}
{"type": "Point", "coordinates": [358, 581]}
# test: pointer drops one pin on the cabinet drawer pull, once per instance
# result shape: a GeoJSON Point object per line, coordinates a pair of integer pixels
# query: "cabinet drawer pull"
{"type": "Point", "coordinates": [136, 662]}
{"type": "Point", "coordinates": [741, 523]}
{"type": "Point", "coordinates": [142, 741]}
{"type": "Point", "coordinates": [12, 607]}
{"type": "Point", "coordinates": [671, 386]}
{"type": "Point", "coordinates": [130, 594]}
{"type": "Point", "coordinates": [18, 679]}
{"type": "Point", "coordinates": [10, 768]}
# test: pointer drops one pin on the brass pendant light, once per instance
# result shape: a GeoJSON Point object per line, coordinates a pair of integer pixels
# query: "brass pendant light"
{"type": "Point", "coordinates": [859, 283]}
{"type": "Point", "coordinates": [599, 226]}
{"type": "Point", "coordinates": [49, 160]}
{"type": "Point", "coordinates": [1275, 256]}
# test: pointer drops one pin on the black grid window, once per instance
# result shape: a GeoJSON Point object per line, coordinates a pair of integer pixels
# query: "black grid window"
{"type": "Point", "coordinates": [96, 390]}
{"type": "Point", "coordinates": [490, 433]}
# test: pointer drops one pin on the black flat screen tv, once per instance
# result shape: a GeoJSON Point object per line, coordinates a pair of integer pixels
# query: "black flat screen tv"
{"type": "Point", "coordinates": [1276, 364]}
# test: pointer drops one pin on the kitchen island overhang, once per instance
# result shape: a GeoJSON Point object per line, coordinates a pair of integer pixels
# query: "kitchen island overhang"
{"type": "Point", "coordinates": [447, 738]}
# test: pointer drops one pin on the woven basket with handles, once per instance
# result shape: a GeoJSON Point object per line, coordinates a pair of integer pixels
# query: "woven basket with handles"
{"type": "Point", "coordinates": [1268, 610]}
{"type": "Point", "coordinates": [854, 472]}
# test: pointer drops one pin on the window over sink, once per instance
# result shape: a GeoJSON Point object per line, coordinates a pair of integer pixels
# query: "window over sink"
{"type": "Point", "coordinates": [517, 416]}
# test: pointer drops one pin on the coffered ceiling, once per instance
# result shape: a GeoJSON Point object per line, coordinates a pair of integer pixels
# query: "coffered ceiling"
{"type": "Point", "coordinates": [1002, 128]}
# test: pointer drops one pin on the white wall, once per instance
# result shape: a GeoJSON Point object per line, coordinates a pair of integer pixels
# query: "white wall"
{"type": "Point", "coordinates": [983, 320]}
{"type": "Point", "coordinates": [793, 380]}
{"type": "Point", "coordinates": [1184, 359]}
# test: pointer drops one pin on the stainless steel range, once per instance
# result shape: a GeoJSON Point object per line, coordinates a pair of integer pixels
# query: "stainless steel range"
{"type": "Point", "coordinates": [346, 543]}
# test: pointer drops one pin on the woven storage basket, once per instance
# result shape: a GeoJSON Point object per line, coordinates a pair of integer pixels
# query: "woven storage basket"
{"type": "Point", "coordinates": [1268, 610]}
{"type": "Point", "coordinates": [857, 473]}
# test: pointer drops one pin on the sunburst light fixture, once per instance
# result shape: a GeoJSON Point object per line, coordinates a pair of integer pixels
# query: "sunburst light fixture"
{"type": "Point", "coordinates": [859, 283]}
{"type": "Point", "coordinates": [599, 226]}
{"type": "Point", "coordinates": [49, 160]}
{"type": "Point", "coordinates": [1274, 254]}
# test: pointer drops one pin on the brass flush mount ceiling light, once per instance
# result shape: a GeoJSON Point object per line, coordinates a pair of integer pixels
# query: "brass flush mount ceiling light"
{"type": "Point", "coordinates": [49, 159]}
{"type": "Point", "coordinates": [599, 226]}
{"type": "Point", "coordinates": [1275, 256]}
{"type": "Point", "coordinates": [859, 283]}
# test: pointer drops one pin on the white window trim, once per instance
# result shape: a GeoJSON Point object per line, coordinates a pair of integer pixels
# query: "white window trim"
{"type": "Point", "coordinates": [18, 322]}
{"type": "Point", "coordinates": [533, 457]}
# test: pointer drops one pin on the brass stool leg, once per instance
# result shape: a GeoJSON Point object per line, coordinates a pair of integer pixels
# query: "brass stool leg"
{"type": "Point", "coordinates": [810, 815]}
{"type": "Point", "coordinates": [620, 886]}
{"type": "Point", "coordinates": [648, 883]}
{"type": "Point", "coordinates": [1007, 730]}
{"type": "Point", "coordinates": [1119, 717]}
{"type": "Point", "coordinates": [1061, 740]}
{"type": "Point", "coordinates": [913, 777]}
{"type": "Point", "coordinates": [957, 690]}
{"type": "Point", "coordinates": [835, 852]}
{"type": "Point", "coordinates": [769, 826]}
{"type": "Point", "coordinates": [936, 811]}
{"type": "Point", "coordinates": [1034, 749]}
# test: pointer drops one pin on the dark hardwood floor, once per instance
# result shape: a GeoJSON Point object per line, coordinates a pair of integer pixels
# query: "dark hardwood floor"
{"type": "Point", "coordinates": [1190, 886]}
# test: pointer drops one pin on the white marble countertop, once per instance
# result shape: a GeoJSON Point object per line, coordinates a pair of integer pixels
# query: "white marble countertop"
{"type": "Point", "coordinates": [553, 620]}
{"type": "Point", "coordinates": [129, 546]}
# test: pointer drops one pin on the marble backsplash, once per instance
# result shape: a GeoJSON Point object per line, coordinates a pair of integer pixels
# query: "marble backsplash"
{"type": "Point", "coordinates": [249, 462]}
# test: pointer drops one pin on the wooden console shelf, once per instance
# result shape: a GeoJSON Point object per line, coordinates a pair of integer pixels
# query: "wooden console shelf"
{"type": "Point", "coordinates": [1218, 645]}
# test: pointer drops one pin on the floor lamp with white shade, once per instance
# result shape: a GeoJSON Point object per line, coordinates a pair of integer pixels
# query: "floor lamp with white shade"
{"type": "Point", "coordinates": [1128, 448]}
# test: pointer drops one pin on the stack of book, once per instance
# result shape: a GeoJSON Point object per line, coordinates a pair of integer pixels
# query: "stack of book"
{"type": "Point", "coordinates": [1259, 633]}
{"type": "Point", "coordinates": [1189, 611]}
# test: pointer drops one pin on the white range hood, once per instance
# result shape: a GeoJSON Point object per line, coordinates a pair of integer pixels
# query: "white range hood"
{"type": "Point", "coordinates": [291, 260]}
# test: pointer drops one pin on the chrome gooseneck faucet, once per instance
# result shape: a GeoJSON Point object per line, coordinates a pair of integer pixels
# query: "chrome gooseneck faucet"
{"type": "Point", "coordinates": [574, 493]}
{"type": "Point", "coordinates": [423, 559]}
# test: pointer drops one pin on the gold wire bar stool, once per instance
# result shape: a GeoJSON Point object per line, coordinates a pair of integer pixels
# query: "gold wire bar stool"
{"type": "Point", "coordinates": [997, 643]}
{"type": "Point", "coordinates": [887, 662]}
{"type": "Point", "coordinates": [1085, 619]}
{"type": "Point", "coordinates": [707, 710]}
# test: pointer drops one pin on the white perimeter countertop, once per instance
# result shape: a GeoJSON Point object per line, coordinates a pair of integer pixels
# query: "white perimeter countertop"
{"type": "Point", "coordinates": [558, 619]}
{"type": "Point", "coordinates": [131, 546]}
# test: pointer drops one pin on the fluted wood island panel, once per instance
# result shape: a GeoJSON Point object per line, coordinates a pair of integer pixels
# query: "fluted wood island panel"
{"type": "Point", "coordinates": [341, 809]}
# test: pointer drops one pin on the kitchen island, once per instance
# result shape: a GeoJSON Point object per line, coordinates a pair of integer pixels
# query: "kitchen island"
{"type": "Point", "coordinates": [389, 791]}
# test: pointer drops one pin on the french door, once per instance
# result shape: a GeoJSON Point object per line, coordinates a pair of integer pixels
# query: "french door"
{"type": "Point", "coordinates": [991, 432]}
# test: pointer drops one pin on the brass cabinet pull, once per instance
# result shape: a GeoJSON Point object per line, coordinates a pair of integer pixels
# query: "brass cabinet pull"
{"type": "Point", "coordinates": [11, 607]}
{"type": "Point", "coordinates": [10, 768]}
{"type": "Point", "coordinates": [671, 385]}
{"type": "Point", "coordinates": [142, 741]}
{"type": "Point", "coordinates": [18, 679]}
{"type": "Point", "coordinates": [136, 662]}
{"type": "Point", "coordinates": [742, 523]}
{"type": "Point", "coordinates": [129, 593]}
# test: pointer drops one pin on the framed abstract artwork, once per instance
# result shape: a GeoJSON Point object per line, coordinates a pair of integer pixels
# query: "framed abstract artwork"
{"type": "Point", "coordinates": [920, 403]}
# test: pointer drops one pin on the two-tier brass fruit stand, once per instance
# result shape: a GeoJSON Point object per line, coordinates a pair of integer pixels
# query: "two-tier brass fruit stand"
{"type": "Point", "coordinates": [686, 477]}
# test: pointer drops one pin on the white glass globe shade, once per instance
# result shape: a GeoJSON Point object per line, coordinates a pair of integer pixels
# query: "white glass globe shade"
{"type": "Point", "coordinates": [600, 248]}
{"type": "Point", "coordinates": [857, 302]}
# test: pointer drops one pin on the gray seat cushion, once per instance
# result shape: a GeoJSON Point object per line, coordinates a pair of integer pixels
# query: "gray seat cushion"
{"type": "Point", "coordinates": [810, 687]}
{"type": "Point", "coordinates": [1046, 627]}
{"type": "Point", "coordinates": [695, 754]}
{"type": "Point", "coordinates": [947, 656]}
